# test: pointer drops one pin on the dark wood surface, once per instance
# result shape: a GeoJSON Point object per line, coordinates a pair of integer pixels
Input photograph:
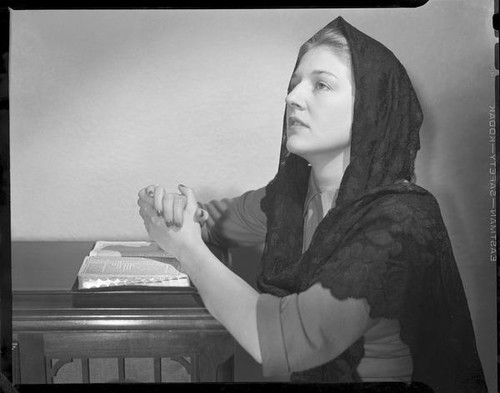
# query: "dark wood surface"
{"type": "Point", "coordinates": [47, 265]}
{"type": "Point", "coordinates": [52, 320]}
{"type": "Point", "coordinates": [54, 310]}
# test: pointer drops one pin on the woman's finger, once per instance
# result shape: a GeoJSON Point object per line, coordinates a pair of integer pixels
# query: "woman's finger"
{"type": "Point", "coordinates": [191, 204]}
{"type": "Point", "coordinates": [201, 215]}
{"type": "Point", "coordinates": [146, 209]}
{"type": "Point", "coordinates": [141, 203]}
{"type": "Point", "coordinates": [179, 206]}
{"type": "Point", "coordinates": [168, 206]}
{"type": "Point", "coordinates": [143, 195]}
{"type": "Point", "coordinates": [150, 190]}
{"type": "Point", "coordinates": [158, 199]}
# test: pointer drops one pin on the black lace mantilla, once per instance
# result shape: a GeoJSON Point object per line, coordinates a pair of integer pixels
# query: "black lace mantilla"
{"type": "Point", "coordinates": [385, 240]}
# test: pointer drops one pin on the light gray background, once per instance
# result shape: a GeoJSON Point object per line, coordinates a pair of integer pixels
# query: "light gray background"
{"type": "Point", "coordinates": [104, 103]}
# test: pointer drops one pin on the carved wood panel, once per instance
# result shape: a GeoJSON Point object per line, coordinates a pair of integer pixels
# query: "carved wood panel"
{"type": "Point", "coordinates": [120, 370]}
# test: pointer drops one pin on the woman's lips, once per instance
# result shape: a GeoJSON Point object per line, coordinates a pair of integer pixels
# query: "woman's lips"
{"type": "Point", "coordinates": [295, 122]}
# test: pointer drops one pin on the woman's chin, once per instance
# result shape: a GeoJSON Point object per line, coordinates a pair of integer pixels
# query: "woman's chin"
{"type": "Point", "coordinates": [296, 147]}
{"type": "Point", "coordinates": [292, 148]}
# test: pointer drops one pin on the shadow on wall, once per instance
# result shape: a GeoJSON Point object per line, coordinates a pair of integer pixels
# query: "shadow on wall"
{"type": "Point", "coordinates": [246, 264]}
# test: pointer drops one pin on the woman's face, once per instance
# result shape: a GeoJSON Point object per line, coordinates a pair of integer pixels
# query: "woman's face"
{"type": "Point", "coordinates": [320, 105]}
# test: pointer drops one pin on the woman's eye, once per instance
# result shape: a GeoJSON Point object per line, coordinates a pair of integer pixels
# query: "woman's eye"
{"type": "Point", "coordinates": [322, 86]}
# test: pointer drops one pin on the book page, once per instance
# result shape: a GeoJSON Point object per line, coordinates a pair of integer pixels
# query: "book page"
{"type": "Point", "coordinates": [89, 283]}
{"type": "Point", "coordinates": [104, 267]}
{"type": "Point", "coordinates": [129, 249]}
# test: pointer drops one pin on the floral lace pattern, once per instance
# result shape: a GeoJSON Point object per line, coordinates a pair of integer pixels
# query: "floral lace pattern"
{"type": "Point", "coordinates": [384, 241]}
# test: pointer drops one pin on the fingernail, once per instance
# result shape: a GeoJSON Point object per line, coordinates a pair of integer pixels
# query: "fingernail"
{"type": "Point", "coordinates": [169, 224]}
{"type": "Point", "coordinates": [158, 213]}
{"type": "Point", "coordinates": [151, 193]}
{"type": "Point", "coordinates": [182, 185]}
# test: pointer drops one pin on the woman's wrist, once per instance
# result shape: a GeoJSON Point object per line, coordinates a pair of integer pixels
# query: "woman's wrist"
{"type": "Point", "coordinates": [189, 254]}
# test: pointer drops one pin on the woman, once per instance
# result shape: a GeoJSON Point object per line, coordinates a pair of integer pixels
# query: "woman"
{"type": "Point", "coordinates": [358, 280]}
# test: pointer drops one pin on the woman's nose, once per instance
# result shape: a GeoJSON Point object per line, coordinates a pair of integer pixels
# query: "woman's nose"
{"type": "Point", "coordinates": [295, 98]}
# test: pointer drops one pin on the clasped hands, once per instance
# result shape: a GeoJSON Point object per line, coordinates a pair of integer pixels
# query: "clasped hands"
{"type": "Point", "coordinates": [172, 220]}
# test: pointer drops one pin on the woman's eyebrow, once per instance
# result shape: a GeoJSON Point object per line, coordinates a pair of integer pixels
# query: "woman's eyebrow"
{"type": "Point", "coordinates": [318, 72]}
{"type": "Point", "coordinates": [315, 72]}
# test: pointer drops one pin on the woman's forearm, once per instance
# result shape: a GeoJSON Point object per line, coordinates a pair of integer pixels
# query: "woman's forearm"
{"type": "Point", "coordinates": [227, 297]}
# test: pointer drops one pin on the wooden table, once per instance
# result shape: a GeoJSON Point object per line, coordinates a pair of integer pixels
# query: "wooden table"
{"type": "Point", "coordinates": [61, 335]}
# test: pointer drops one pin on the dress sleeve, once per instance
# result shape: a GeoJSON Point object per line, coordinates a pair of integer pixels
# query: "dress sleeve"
{"type": "Point", "coordinates": [236, 222]}
{"type": "Point", "coordinates": [301, 331]}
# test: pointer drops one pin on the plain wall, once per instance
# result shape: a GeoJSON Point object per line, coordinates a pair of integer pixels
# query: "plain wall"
{"type": "Point", "coordinates": [103, 103]}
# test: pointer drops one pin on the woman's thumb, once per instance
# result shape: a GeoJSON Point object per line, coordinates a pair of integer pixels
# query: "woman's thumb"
{"type": "Point", "coordinates": [190, 197]}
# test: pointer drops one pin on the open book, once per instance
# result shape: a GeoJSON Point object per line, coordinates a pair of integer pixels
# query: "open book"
{"type": "Point", "coordinates": [136, 263]}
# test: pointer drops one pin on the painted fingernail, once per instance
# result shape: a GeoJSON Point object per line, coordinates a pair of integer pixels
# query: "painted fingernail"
{"type": "Point", "coordinates": [158, 213]}
{"type": "Point", "coordinates": [151, 193]}
{"type": "Point", "coordinates": [182, 185]}
{"type": "Point", "coordinates": [169, 224]}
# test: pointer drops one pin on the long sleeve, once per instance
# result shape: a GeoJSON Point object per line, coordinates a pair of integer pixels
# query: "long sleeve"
{"type": "Point", "coordinates": [305, 330]}
{"type": "Point", "coordinates": [236, 222]}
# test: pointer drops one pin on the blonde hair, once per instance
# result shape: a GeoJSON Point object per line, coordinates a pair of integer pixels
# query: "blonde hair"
{"type": "Point", "coordinates": [331, 38]}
